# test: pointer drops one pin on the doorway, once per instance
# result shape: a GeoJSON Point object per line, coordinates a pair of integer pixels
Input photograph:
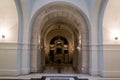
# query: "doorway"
{"type": "Point", "coordinates": [59, 56]}
{"type": "Point", "coordinates": [67, 25]}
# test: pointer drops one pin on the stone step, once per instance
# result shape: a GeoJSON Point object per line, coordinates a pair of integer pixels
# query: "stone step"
{"type": "Point", "coordinates": [59, 78]}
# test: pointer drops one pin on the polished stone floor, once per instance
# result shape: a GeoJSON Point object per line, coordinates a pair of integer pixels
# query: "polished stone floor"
{"type": "Point", "coordinates": [60, 69]}
{"type": "Point", "coordinates": [51, 71]}
{"type": "Point", "coordinates": [39, 75]}
{"type": "Point", "coordinates": [59, 78]}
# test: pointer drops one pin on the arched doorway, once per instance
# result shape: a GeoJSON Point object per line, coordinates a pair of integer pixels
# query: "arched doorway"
{"type": "Point", "coordinates": [58, 43]}
{"type": "Point", "coordinates": [50, 22]}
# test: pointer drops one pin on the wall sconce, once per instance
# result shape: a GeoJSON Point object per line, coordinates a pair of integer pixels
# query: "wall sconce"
{"type": "Point", "coordinates": [115, 34]}
{"type": "Point", "coordinates": [3, 36]}
{"type": "Point", "coordinates": [78, 48]}
{"type": "Point", "coordinates": [4, 33]}
{"type": "Point", "coordinates": [116, 38]}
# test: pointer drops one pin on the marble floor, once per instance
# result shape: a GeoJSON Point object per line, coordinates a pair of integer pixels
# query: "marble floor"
{"type": "Point", "coordinates": [60, 69]}
{"type": "Point", "coordinates": [39, 75]}
{"type": "Point", "coordinates": [53, 71]}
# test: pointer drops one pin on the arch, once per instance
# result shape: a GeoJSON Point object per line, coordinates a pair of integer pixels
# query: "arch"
{"type": "Point", "coordinates": [59, 37]}
{"type": "Point", "coordinates": [81, 4]}
{"type": "Point", "coordinates": [49, 15]}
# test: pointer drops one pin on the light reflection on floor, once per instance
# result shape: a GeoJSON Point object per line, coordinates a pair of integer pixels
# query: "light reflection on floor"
{"type": "Point", "coordinates": [59, 69]}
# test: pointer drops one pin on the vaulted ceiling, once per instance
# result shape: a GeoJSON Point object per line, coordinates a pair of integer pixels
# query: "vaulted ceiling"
{"type": "Point", "coordinates": [9, 15]}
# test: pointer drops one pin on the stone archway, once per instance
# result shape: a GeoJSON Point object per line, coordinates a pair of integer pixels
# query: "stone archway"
{"type": "Point", "coordinates": [59, 41]}
{"type": "Point", "coordinates": [62, 13]}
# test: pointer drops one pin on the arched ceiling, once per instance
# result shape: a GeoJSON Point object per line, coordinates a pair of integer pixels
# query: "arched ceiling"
{"type": "Point", "coordinates": [60, 13]}
{"type": "Point", "coordinates": [87, 6]}
{"type": "Point", "coordinates": [82, 4]}
{"type": "Point", "coordinates": [29, 8]}
{"type": "Point", "coordinates": [59, 30]}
